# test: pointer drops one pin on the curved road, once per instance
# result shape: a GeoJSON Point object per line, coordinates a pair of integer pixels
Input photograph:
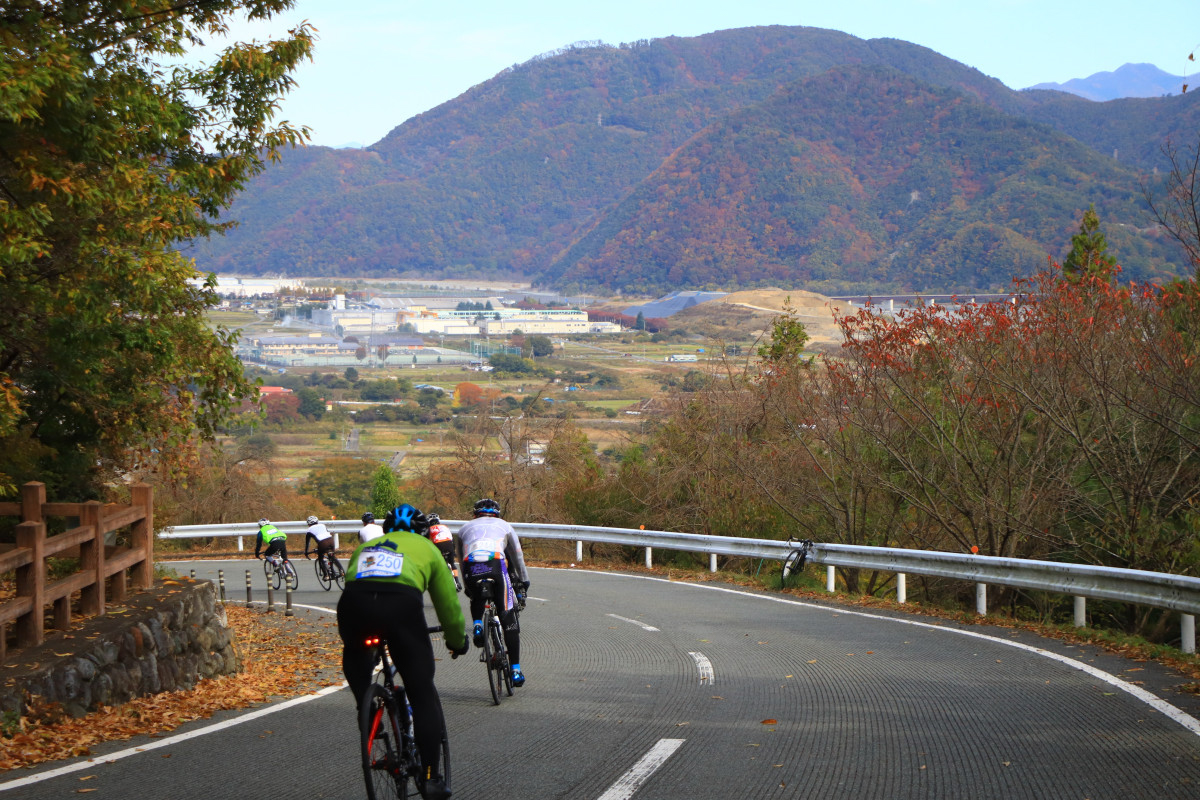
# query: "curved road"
{"type": "Point", "coordinates": [644, 688]}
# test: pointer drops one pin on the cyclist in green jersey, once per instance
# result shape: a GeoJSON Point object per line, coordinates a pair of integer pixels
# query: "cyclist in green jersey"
{"type": "Point", "coordinates": [272, 537]}
{"type": "Point", "coordinates": [384, 596]}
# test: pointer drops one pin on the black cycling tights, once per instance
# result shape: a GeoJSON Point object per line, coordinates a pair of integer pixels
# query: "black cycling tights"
{"type": "Point", "coordinates": [399, 617]}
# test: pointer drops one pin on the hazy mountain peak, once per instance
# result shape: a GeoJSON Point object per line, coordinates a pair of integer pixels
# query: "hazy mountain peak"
{"type": "Point", "coordinates": [1128, 80]}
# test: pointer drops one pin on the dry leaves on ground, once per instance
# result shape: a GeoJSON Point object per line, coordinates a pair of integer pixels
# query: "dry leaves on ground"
{"type": "Point", "coordinates": [281, 657]}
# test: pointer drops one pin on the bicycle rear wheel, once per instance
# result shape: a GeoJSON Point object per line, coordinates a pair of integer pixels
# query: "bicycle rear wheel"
{"type": "Point", "coordinates": [501, 666]}
{"type": "Point", "coordinates": [339, 574]}
{"type": "Point", "coordinates": [276, 576]}
{"type": "Point", "coordinates": [322, 573]}
{"type": "Point", "coordinates": [384, 767]}
{"type": "Point", "coordinates": [490, 654]}
{"type": "Point", "coordinates": [290, 576]}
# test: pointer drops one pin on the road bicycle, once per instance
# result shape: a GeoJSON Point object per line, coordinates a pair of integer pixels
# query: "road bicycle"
{"type": "Point", "coordinates": [279, 571]}
{"type": "Point", "coordinates": [793, 564]}
{"type": "Point", "coordinates": [390, 760]}
{"type": "Point", "coordinates": [495, 653]}
{"type": "Point", "coordinates": [329, 571]}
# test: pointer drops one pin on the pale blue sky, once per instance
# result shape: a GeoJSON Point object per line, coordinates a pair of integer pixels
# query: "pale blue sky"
{"type": "Point", "coordinates": [379, 62]}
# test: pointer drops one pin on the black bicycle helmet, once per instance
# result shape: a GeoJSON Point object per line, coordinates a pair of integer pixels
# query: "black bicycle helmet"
{"type": "Point", "coordinates": [433, 519]}
{"type": "Point", "coordinates": [368, 518]}
{"type": "Point", "coordinates": [487, 507]}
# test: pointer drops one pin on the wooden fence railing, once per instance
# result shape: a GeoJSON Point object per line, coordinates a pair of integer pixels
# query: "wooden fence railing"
{"type": "Point", "coordinates": [102, 573]}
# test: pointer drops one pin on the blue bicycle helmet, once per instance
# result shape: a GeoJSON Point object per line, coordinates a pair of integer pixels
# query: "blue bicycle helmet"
{"type": "Point", "coordinates": [403, 518]}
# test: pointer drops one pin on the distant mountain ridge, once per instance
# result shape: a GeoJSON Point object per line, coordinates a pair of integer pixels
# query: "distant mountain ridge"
{"type": "Point", "coordinates": [1128, 80]}
{"type": "Point", "coordinates": [749, 157]}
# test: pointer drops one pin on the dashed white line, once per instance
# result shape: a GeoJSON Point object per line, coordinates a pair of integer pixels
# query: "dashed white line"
{"type": "Point", "coordinates": [707, 677]}
{"type": "Point", "coordinates": [640, 772]}
{"type": "Point", "coordinates": [1157, 703]}
{"type": "Point", "coordinates": [639, 623]}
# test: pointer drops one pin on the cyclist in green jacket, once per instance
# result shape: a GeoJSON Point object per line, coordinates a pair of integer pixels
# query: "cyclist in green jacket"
{"type": "Point", "coordinates": [384, 596]}
{"type": "Point", "coordinates": [272, 537]}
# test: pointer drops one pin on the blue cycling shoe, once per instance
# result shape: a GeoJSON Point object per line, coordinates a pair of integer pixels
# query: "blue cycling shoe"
{"type": "Point", "coordinates": [478, 635]}
{"type": "Point", "coordinates": [518, 676]}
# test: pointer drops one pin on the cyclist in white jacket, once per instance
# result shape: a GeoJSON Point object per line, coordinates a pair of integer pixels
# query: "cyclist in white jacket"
{"type": "Point", "coordinates": [487, 546]}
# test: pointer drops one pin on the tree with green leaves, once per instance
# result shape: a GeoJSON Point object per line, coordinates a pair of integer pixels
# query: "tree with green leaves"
{"type": "Point", "coordinates": [109, 162]}
{"type": "Point", "coordinates": [1089, 256]}
{"type": "Point", "coordinates": [385, 494]}
{"type": "Point", "coordinates": [788, 338]}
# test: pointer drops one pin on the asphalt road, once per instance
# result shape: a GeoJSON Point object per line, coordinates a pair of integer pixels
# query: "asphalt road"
{"type": "Point", "coordinates": [648, 689]}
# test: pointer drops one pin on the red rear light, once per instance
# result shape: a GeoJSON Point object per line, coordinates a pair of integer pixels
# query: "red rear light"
{"type": "Point", "coordinates": [372, 641]}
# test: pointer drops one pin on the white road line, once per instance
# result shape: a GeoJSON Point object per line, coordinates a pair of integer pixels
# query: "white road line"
{"type": "Point", "coordinates": [91, 763]}
{"type": "Point", "coordinates": [640, 624]}
{"type": "Point", "coordinates": [640, 772]}
{"type": "Point", "coordinates": [1155, 702]}
{"type": "Point", "coordinates": [707, 677]}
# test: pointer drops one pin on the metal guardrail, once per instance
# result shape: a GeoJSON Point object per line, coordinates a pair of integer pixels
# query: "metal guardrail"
{"type": "Point", "coordinates": [1158, 589]}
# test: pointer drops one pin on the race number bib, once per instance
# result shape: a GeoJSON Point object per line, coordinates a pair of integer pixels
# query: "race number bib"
{"type": "Point", "coordinates": [379, 563]}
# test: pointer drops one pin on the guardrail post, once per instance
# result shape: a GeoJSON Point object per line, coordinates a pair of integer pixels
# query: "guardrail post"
{"type": "Point", "coordinates": [830, 578]}
{"type": "Point", "coordinates": [221, 583]}
{"type": "Point", "coordinates": [1080, 612]}
{"type": "Point", "coordinates": [649, 559]}
{"type": "Point", "coordinates": [981, 599]}
{"type": "Point", "coordinates": [91, 558]}
{"type": "Point", "coordinates": [712, 562]}
{"type": "Point", "coordinates": [248, 589]}
{"type": "Point", "coordinates": [241, 543]}
{"type": "Point", "coordinates": [33, 497]}
{"type": "Point", "coordinates": [578, 550]}
{"type": "Point", "coordinates": [901, 588]}
{"type": "Point", "coordinates": [337, 543]}
{"type": "Point", "coordinates": [288, 610]}
{"type": "Point", "coordinates": [31, 583]}
{"type": "Point", "coordinates": [1187, 633]}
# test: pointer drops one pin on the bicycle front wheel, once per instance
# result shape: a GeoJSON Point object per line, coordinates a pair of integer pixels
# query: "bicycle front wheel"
{"type": "Point", "coordinates": [383, 763]}
{"type": "Point", "coordinates": [322, 573]}
{"type": "Point", "coordinates": [269, 570]}
{"type": "Point", "coordinates": [490, 654]}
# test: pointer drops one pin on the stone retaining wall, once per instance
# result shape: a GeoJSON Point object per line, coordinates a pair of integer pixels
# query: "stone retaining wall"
{"type": "Point", "coordinates": [165, 639]}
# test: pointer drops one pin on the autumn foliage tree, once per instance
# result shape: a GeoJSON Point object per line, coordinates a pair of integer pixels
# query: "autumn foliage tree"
{"type": "Point", "coordinates": [109, 162]}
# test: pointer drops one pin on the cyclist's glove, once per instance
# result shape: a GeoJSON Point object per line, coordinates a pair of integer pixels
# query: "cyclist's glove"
{"type": "Point", "coordinates": [461, 651]}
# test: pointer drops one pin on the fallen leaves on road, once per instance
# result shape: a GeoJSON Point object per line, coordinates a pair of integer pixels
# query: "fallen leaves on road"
{"type": "Point", "coordinates": [283, 657]}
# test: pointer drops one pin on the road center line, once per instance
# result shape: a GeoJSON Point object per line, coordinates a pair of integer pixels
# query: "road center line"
{"type": "Point", "coordinates": [640, 624]}
{"type": "Point", "coordinates": [640, 772]}
{"type": "Point", "coordinates": [707, 677]}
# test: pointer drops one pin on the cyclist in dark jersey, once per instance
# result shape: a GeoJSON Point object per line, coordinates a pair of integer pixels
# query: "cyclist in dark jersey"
{"type": "Point", "coordinates": [385, 583]}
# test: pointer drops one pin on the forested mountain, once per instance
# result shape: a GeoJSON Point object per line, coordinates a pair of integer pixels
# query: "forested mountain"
{"type": "Point", "coordinates": [579, 166]}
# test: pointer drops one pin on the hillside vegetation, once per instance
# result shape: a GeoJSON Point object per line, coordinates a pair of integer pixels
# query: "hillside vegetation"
{"type": "Point", "coordinates": [770, 156]}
